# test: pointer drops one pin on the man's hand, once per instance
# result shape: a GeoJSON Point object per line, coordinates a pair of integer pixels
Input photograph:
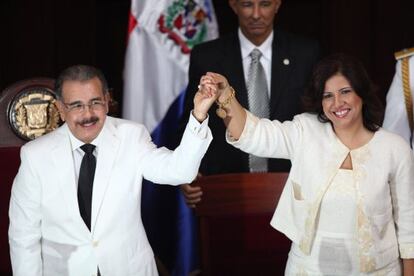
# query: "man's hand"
{"type": "Point", "coordinates": [204, 98]}
{"type": "Point", "coordinates": [192, 193]}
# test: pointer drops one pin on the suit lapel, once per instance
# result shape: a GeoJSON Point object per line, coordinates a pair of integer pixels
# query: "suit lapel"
{"type": "Point", "coordinates": [64, 164]}
{"type": "Point", "coordinates": [280, 70]}
{"type": "Point", "coordinates": [233, 68]}
{"type": "Point", "coordinates": [108, 148]}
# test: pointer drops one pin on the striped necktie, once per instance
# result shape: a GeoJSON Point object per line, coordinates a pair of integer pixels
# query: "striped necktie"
{"type": "Point", "coordinates": [258, 98]}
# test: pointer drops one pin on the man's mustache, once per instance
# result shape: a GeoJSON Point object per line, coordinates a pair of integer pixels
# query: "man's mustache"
{"type": "Point", "coordinates": [90, 120]}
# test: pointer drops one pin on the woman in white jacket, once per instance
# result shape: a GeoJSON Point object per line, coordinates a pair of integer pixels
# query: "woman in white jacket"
{"type": "Point", "coordinates": [348, 205]}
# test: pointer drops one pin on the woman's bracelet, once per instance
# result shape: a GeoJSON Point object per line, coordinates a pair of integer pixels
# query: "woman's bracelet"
{"type": "Point", "coordinates": [221, 105]}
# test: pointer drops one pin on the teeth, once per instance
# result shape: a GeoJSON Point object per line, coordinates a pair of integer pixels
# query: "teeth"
{"type": "Point", "coordinates": [341, 113]}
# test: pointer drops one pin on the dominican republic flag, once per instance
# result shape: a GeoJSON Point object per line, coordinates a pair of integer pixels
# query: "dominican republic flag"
{"type": "Point", "coordinates": [161, 36]}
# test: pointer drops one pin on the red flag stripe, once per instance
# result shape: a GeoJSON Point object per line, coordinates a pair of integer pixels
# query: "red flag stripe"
{"type": "Point", "coordinates": [132, 23]}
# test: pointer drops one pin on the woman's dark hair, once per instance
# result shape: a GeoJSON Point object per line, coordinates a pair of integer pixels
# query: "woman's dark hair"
{"type": "Point", "coordinates": [79, 73]}
{"type": "Point", "coordinates": [354, 72]}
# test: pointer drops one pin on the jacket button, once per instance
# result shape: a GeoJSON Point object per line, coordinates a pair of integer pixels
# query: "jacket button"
{"type": "Point", "coordinates": [95, 243]}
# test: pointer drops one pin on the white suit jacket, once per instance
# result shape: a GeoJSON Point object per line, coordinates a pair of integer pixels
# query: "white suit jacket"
{"type": "Point", "coordinates": [47, 234]}
{"type": "Point", "coordinates": [383, 172]}
{"type": "Point", "coordinates": [395, 119]}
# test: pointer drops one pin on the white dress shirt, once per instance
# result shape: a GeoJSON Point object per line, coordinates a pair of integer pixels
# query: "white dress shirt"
{"type": "Point", "coordinates": [265, 48]}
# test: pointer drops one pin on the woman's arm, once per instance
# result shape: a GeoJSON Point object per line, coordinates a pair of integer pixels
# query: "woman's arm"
{"type": "Point", "coordinates": [402, 194]}
{"type": "Point", "coordinates": [264, 138]}
{"type": "Point", "coordinates": [233, 114]}
{"type": "Point", "coordinates": [408, 265]}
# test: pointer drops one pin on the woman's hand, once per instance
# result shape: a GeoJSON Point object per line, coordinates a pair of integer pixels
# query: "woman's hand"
{"type": "Point", "coordinates": [222, 85]}
{"type": "Point", "coordinates": [233, 114]}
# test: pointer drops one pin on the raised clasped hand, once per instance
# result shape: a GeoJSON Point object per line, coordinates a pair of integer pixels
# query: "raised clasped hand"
{"type": "Point", "coordinates": [221, 84]}
{"type": "Point", "coordinates": [210, 88]}
{"type": "Point", "coordinates": [205, 97]}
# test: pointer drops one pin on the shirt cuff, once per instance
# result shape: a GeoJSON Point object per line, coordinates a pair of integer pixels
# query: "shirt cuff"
{"type": "Point", "coordinates": [199, 129]}
{"type": "Point", "coordinates": [407, 251]}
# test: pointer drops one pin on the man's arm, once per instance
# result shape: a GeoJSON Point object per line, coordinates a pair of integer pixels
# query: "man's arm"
{"type": "Point", "coordinates": [395, 118]}
{"type": "Point", "coordinates": [25, 220]}
{"type": "Point", "coordinates": [195, 72]}
{"type": "Point", "coordinates": [182, 164]}
{"type": "Point", "coordinates": [192, 194]}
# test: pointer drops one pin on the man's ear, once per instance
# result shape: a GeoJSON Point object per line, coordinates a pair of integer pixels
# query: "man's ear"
{"type": "Point", "coordinates": [108, 99]}
{"type": "Point", "coordinates": [233, 4]}
{"type": "Point", "coordinates": [278, 4]}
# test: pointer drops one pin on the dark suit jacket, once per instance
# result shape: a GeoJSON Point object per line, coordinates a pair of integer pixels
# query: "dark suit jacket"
{"type": "Point", "coordinates": [223, 56]}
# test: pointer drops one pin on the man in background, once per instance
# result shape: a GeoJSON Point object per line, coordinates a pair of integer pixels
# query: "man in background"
{"type": "Point", "coordinates": [399, 109]}
{"type": "Point", "coordinates": [269, 69]}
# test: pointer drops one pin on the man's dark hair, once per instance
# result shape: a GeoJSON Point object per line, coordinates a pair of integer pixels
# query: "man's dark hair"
{"type": "Point", "coordinates": [355, 73]}
{"type": "Point", "coordinates": [79, 73]}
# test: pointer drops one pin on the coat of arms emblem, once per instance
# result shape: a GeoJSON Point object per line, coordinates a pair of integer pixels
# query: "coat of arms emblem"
{"type": "Point", "coordinates": [33, 113]}
{"type": "Point", "coordinates": [185, 22]}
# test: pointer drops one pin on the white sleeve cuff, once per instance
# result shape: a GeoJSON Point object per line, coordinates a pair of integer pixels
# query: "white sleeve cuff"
{"type": "Point", "coordinates": [199, 129]}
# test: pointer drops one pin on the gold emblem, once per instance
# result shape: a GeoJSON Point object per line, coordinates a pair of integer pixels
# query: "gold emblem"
{"type": "Point", "coordinates": [221, 113]}
{"type": "Point", "coordinates": [33, 113]}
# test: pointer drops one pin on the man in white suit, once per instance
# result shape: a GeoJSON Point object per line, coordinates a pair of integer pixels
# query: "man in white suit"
{"type": "Point", "coordinates": [59, 226]}
{"type": "Point", "coordinates": [399, 109]}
